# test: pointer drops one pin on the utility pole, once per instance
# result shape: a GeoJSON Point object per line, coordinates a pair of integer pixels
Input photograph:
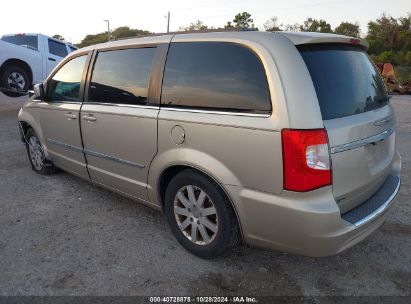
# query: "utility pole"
{"type": "Point", "coordinates": [168, 22]}
{"type": "Point", "coordinates": [108, 28]}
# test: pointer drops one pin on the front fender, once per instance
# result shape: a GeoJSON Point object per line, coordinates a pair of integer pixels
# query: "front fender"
{"type": "Point", "coordinates": [29, 114]}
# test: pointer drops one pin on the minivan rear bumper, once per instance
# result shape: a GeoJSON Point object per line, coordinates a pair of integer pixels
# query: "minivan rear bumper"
{"type": "Point", "coordinates": [311, 223]}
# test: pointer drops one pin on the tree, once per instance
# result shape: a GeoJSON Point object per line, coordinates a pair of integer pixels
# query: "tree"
{"type": "Point", "coordinates": [197, 26]}
{"type": "Point", "coordinates": [93, 39]}
{"type": "Point", "coordinates": [383, 34]}
{"type": "Point", "coordinates": [119, 33]}
{"type": "Point", "coordinates": [390, 40]}
{"type": "Point", "coordinates": [126, 32]}
{"type": "Point", "coordinates": [348, 29]}
{"type": "Point", "coordinates": [405, 33]}
{"type": "Point", "coordinates": [242, 20]}
{"type": "Point", "coordinates": [272, 25]}
{"type": "Point", "coordinates": [229, 25]}
{"type": "Point", "coordinates": [292, 27]}
{"type": "Point", "coordinates": [313, 25]}
{"type": "Point", "coordinates": [59, 37]}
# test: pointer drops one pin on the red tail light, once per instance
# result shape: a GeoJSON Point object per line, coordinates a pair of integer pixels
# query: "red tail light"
{"type": "Point", "coordinates": [306, 159]}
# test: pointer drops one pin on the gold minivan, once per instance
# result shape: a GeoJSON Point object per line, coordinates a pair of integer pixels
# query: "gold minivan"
{"type": "Point", "coordinates": [284, 140]}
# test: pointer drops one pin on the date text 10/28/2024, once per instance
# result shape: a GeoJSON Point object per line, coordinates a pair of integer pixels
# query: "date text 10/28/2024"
{"type": "Point", "coordinates": [238, 299]}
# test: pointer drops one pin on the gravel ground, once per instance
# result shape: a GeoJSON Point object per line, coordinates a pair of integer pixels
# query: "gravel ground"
{"type": "Point", "coordinates": [60, 235]}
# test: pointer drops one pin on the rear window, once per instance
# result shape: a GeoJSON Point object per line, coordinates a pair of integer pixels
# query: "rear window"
{"type": "Point", "coordinates": [29, 41]}
{"type": "Point", "coordinates": [57, 48]}
{"type": "Point", "coordinates": [215, 75]}
{"type": "Point", "coordinates": [346, 81]}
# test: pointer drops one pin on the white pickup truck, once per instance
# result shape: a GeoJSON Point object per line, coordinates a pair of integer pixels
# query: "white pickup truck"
{"type": "Point", "coordinates": [27, 59]}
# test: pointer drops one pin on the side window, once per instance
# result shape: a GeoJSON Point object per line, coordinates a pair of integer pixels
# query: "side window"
{"type": "Point", "coordinates": [72, 48]}
{"type": "Point", "coordinates": [65, 84]}
{"type": "Point", "coordinates": [57, 48]}
{"type": "Point", "coordinates": [24, 40]}
{"type": "Point", "coordinates": [215, 75]}
{"type": "Point", "coordinates": [121, 76]}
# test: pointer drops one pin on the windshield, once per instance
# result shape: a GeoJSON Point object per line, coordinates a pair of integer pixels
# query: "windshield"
{"type": "Point", "coordinates": [344, 78]}
{"type": "Point", "coordinates": [23, 40]}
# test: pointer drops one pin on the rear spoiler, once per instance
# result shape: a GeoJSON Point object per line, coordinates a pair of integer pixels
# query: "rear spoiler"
{"type": "Point", "coordinates": [299, 38]}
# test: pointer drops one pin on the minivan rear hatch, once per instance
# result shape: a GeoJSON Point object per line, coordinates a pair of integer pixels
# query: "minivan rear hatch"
{"type": "Point", "coordinates": [357, 116]}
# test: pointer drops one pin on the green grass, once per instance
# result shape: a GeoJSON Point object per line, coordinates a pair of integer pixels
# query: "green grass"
{"type": "Point", "coordinates": [403, 74]}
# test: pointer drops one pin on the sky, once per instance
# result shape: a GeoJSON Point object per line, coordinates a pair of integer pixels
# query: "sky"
{"type": "Point", "coordinates": [74, 19]}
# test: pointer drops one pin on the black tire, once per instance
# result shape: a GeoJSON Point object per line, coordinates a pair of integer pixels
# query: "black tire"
{"type": "Point", "coordinates": [228, 232]}
{"type": "Point", "coordinates": [10, 69]}
{"type": "Point", "coordinates": [47, 166]}
{"type": "Point", "coordinates": [13, 93]}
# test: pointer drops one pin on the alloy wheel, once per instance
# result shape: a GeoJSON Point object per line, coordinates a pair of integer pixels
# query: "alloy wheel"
{"type": "Point", "coordinates": [36, 153]}
{"type": "Point", "coordinates": [196, 215]}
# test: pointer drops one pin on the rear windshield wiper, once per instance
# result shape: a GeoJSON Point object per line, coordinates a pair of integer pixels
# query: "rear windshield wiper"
{"type": "Point", "coordinates": [384, 99]}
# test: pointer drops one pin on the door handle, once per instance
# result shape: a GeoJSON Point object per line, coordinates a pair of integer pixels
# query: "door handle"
{"type": "Point", "coordinates": [89, 118]}
{"type": "Point", "coordinates": [70, 116]}
{"type": "Point", "coordinates": [51, 59]}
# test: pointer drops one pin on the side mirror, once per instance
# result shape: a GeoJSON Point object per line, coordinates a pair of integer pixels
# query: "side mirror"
{"type": "Point", "coordinates": [38, 92]}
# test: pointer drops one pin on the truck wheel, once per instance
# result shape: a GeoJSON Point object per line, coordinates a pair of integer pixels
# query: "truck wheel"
{"type": "Point", "coordinates": [15, 78]}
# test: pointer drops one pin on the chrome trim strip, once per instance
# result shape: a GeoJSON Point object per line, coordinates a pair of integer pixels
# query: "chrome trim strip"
{"type": "Point", "coordinates": [113, 158]}
{"type": "Point", "coordinates": [177, 109]}
{"type": "Point", "coordinates": [59, 102]}
{"type": "Point", "coordinates": [123, 105]}
{"type": "Point", "coordinates": [214, 112]}
{"type": "Point", "coordinates": [96, 154]}
{"type": "Point", "coordinates": [383, 121]}
{"type": "Point", "coordinates": [71, 147]}
{"type": "Point", "coordinates": [381, 208]}
{"type": "Point", "coordinates": [363, 142]}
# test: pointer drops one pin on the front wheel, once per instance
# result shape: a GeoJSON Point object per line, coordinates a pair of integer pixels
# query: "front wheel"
{"type": "Point", "coordinates": [36, 155]}
{"type": "Point", "coordinates": [200, 215]}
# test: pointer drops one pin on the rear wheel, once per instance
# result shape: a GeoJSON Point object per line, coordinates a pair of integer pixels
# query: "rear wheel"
{"type": "Point", "coordinates": [36, 155]}
{"type": "Point", "coordinates": [200, 215]}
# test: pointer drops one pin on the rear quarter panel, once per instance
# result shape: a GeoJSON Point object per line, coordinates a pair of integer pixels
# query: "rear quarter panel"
{"type": "Point", "coordinates": [233, 150]}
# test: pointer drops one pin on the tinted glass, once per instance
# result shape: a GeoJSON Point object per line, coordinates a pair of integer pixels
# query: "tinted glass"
{"type": "Point", "coordinates": [23, 40]}
{"type": "Point", "coordinates": [57, 48]}
{"type": "Point", "coordinates": [121, 76]}
{"type": "Point", "coordinates": [72, 48]}
{"type": "Point", "coordinates": [65, 84]}
{"type": "Point", "coordinates": [345, 80]}
{"type": "Point", "coordinates": [215, 75]}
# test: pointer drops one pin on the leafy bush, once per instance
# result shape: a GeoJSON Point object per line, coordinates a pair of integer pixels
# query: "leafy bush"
{"type": "Point", "coordinates": [386, 56]}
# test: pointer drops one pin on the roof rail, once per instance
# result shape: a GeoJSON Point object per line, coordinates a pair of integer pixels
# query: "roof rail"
{"type": "Point", "coordinates": [229, 29]}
